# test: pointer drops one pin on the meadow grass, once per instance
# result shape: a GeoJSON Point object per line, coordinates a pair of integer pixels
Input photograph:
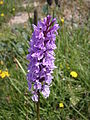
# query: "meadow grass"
{"type": "Point", "coordinates": [9, 8]}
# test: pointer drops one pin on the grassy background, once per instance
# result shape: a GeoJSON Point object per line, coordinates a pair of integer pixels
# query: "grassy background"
{"type": "Point", "coordinates": [7, 9]}
{"type": "Point", "coordinates": [71, 55]}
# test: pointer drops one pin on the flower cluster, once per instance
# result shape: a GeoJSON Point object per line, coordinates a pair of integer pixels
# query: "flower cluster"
{"type": "Point", "coordinates": [41, 57]}
{"type": "Point", "coordinates": [4, 74]}
{"type": "Point", "coordinates": [1, 3]}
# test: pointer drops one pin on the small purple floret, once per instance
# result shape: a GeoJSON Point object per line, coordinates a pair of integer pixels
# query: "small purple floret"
{"type": "Point", "coordinates": [41, 57]}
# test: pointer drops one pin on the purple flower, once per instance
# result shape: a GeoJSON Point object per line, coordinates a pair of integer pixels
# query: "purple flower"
{"type": "Point", "coordinates": [35, 97]}
{"type": "Point", "coordinates": [41, 57]}
{"type": "Point", "coordinates": [45, 91]}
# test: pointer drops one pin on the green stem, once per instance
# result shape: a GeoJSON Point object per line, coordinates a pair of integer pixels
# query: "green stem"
{"type": "Point", "coordinates": [38, 107]}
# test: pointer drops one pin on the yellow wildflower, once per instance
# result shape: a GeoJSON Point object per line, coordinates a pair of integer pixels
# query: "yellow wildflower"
{"type": "Point", "coordinates": [1, 2]}
{"type": "Point", "coordinates": [6, 73]}
{"type": "Point", "coordinates": [61, 105]}
{"type": "Point", "coordinates": [2, 75]}
{"type": "Point", "coordinates": [62, 20]}
{"type": "Point", "coordinates": [2, 14]}
{"type": "Point", "coordinates": [73, 74]}
{"type": "Point", "coordinates": [13, 9]}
